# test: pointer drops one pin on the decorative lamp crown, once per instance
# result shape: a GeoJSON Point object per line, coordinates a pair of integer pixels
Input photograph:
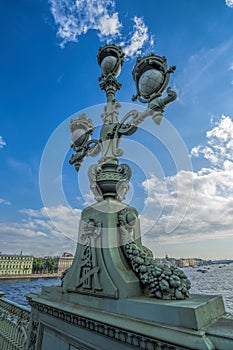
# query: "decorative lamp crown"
{"type": "Point", "coordinates": [151, 75]}
{"type": "Point", "coordinates": [110, 58]}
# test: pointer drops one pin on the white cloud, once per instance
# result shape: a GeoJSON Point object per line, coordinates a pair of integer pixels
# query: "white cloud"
{"type": "Point", "coordinates": [219, 148]}
{"type": "Point", "coordinates": [4, 202]}
{"type": "Point", "coordinates": [2, 142]}
{"type": "Point", "coordinates": [209, 215]}
{"type": "Point", "coordinates": [47, 231]}
{"type": "Point", "coordinates": [139, 38]}
{"type": "Point", "coordinates": [76, 18]}
{"type": "Point", "coordinates": [88, 198]}
{"type": "Point", "coordinates": [229, 3]}
{"type": "Point", "coordinates": [109, 25]}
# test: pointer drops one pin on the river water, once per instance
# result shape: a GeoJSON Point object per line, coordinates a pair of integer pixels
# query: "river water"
{"type": "Point", "coordinates": [217, 280]}
{"type": "Point", "coordinates": [15, 290]}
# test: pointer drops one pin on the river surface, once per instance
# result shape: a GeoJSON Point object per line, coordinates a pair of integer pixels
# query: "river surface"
{"type": "Point", "coordinates": [217, 280]}
{"type": "Point", "coordinates": [16, 289]}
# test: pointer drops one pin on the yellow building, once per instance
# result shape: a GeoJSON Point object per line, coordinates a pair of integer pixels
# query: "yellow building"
{"type": "Point", "coordinates": [183, 262]}
{"type": "Point", "coordinates": [192, 262]}
{"type": "Point", "coordinates": [186, 262]}
{"type": "Point", "coordinates": [15, 264]}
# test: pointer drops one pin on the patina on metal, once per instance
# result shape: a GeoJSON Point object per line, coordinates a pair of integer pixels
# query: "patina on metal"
{"type": "Point", "coordinates": [110, 297]}
{"type": "Point", "coordinates": [110, 179]}
{"type": "Point", "coordinates": [14, 324]}
{"type": "Point", "coordinates": [151, 75]}
{"type": "Point", "coordinates": [110, 59]}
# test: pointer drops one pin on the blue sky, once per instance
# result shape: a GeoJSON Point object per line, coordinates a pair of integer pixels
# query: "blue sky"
{"type": "Point", "coordinates": [49, 71]}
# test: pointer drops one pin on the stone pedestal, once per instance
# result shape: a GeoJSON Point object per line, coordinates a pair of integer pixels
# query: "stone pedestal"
{"type": "Point", "coordinates": [100, 267]}
{"type": "Point", "coordinates": [102, 305]}
{"type": "Point", "coordinates": [135, 323]}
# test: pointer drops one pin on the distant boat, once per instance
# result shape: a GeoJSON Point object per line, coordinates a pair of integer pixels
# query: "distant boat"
{"type": "Point", "coordinates": [202, 270]}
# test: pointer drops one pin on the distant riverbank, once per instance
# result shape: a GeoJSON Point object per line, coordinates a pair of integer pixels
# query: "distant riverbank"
{"type": "Point", "coordinates": [34, 275]}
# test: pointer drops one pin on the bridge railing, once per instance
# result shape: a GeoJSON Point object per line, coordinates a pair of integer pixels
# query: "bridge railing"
{"type": "Point", "coordinates": [14, 322]}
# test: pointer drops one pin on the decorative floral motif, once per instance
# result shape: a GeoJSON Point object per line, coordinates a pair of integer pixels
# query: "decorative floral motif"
{"type": "Point", "coordinates": [165, 282]}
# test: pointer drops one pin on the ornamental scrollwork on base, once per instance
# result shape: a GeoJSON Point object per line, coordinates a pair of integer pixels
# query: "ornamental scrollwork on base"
{"type": "Point", "coordinates": [112, 332]}
{"type": "Point", "coordinates": [163, 281]}
{"type": "Point", "coordinates": [88, 269]}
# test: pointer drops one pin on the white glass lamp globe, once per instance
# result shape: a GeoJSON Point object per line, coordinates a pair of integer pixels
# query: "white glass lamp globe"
{"type": "Point", "coordinates": [150, 81]}
{"type": "Point", "coordinates": [78, 136]}
{"type": "Point", "coordinates": [108, 64]}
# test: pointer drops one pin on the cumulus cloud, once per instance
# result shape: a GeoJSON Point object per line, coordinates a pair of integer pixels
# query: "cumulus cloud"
{"type": "Point", "coordinates": [46, 231]}
{"type": "Point", "coordinates": [209, 214]}
{"type": "Point", "coordinates": [76, 18]}
{"type": "Point", "coordinates": [208, 217]}
{"type": "Point", "coordinates": [219, 148]}
{"type": "Point", "coordinates": [2, 142]}
{"type": "Point", "coordinates": [229, 3]}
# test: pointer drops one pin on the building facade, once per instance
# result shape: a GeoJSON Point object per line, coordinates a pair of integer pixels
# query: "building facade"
{"type": "Point", "coordinates": [63, 262]}
{"type": "Point", "coordinates": [15, 264]}
{"type": "Point", "coordinates": [189, 262]}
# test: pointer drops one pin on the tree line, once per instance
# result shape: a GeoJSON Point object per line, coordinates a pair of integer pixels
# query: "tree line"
{"type": "Point", "coordinates": [43, 266]}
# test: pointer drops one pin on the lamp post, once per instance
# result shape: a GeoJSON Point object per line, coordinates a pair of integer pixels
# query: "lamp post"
{"type": "Point", "coordinates": [109, 181]}
{"type": "Point", "coordinates": [151, 75]}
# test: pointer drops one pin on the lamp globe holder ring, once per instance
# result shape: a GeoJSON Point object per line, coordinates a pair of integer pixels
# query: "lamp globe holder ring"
{"type": "Point", "coordinates": [159, 66]}
{"type": "Point", "coordinates": [114, 51]}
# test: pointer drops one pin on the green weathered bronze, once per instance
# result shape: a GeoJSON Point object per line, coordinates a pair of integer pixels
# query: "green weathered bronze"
{"type": "Point", "coordinates": [110, 298]}
{"type": "Point", "coordinates": [109, 181]}
{"type": "Point", "coordinates": [110, 58]}
{"type": "Point", "coordinates": [151, 95]}
{"type": "Point", "coordinates": [14, 324]}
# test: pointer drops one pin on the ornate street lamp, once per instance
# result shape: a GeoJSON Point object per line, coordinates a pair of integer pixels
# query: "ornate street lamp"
{"type": "Point", "coordinates": [110, 59]}
{"type": "Point", "coordinates": [151, 75]}
{"type": "Point", "coordinates": [109, 182]}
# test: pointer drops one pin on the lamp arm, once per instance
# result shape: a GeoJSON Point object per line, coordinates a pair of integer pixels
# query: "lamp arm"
{"type": "Point", "coordinates": [92, 148]}
{"type": "Point", "coordinates": [159, 104]}
{"type": "Point", "coordinates": [171, 96]}
{"type": "Point", "coordinates": [137, 117]}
